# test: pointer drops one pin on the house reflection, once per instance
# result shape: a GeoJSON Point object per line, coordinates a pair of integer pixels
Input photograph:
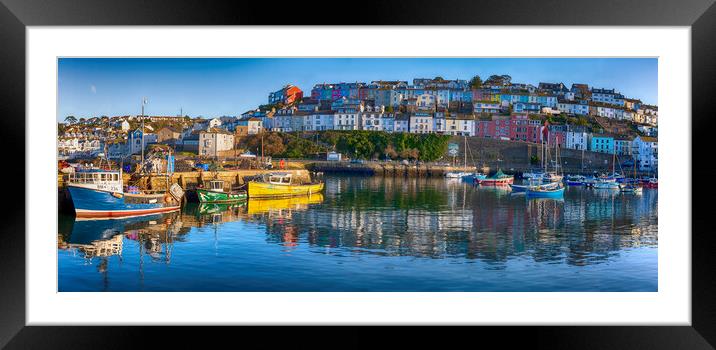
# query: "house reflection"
{"type": "Point", "coordinates": [427, 218]}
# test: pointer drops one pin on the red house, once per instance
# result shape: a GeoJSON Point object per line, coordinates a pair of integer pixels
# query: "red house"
{"type": "Point", "coordinates": [287, 95]}
{"type": "Point", "coordinates": [525, 129]}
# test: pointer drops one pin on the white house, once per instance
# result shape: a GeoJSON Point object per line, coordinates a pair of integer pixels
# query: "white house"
{"type": "Point", "coordinates": [401, 123]}
{"type": "Point", "coordinates": [645, 150]}
{"type": "Point", "coordinates": [577, 139]}
{"type": "Point", "coordinates": [606, 112]}
{"type": "Point", "coordinates": [254, 125]}
{"type": "Point", "coordinates": [421, 123]}
{"type": "Point", "coordinates": [348, 113]}
{"type": "Point", "coordinates": [213, 123]}
{"type": "Point", "coordinates": [215, 140]}
{"type": "Point", "coordinates": [574, 107]}
{"type": "Point", "coordinates": [608, 96]}
{"type": "Point", "coordinates": [319, 121]}
{"type": "Point", "coordinates": [370, 118]}
{"type": "Point", "coordinates": [459, 126]}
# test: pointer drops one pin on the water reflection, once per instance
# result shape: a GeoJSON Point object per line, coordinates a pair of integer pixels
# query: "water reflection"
{"type": "Point", "coordinates": [387, 217]}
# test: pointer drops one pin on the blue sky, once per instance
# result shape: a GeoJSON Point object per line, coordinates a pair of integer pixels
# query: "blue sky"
{"type": "Point", "coordinates": [231, 86]}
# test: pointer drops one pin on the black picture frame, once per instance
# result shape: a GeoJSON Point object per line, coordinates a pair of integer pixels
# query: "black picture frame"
{"type": "Point", "coordinates": [700, 15]}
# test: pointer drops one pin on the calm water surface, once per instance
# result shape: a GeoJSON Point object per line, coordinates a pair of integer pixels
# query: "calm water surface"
{"type": "Point", "coordinates": [375, 234]}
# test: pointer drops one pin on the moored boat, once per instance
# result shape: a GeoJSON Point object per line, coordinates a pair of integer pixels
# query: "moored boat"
{"type": "Point", "coordinates": [281, 185]}
{"type": "Point", "coordinates": [630, 188]}
{"type": "Point", "coordinates": [499, 179]}
{"type": "Point", "coordinates": [651, 183]}
{"type": "Point", "coordinates": [472, 178]}
{"type": "Point", "coordinates": [606, 183]}
{"type": "Point", "coordinates": [100, 194]}
{"type": "Point", "coordinates": [551, 177]}
{"type": "Point", "coordinates": [456, 174]}
{"type": "Point", "coordinates": [524, 188]}
{"type": "Point", "coordinates": [532, 175]}
{"type": "Point", "coordinates": [215, 193]}
{"type": "Point", "coordinates": [575, 180]}
{"type": "Point", "coordinates": [546, 192]}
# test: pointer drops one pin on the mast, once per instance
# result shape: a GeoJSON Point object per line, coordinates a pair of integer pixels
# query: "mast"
{"type": "Point", "coordinates": [465, 152]}
{"type": "Point", "coordinates": [556, 157]}
{"type": "Point", "coordinates": [144, 101]}
{"type": "Point", "coordinates": [614, 158]}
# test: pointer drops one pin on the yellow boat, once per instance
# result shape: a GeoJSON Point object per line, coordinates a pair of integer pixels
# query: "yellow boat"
{"type": "Point", "coordinates": [280, 185]}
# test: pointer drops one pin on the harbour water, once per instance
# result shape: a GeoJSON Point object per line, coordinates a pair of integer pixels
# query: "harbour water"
{"type": "Point", "coordinates": [375, 234]}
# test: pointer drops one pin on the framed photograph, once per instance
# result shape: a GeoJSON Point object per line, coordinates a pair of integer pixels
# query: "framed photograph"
{"type": "Point", "coordinates": [500, 169]}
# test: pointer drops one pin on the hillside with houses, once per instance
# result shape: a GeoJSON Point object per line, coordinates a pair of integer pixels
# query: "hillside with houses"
{"type": "Point", "coordinates": [578, 117]}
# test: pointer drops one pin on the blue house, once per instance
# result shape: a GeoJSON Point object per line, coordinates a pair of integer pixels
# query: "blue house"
{"type": "Point", "coordinates": [602, 143]}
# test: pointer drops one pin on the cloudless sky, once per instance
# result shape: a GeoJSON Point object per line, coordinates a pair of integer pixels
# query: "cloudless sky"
{"type": "Point", "coordinates": [230, 86]}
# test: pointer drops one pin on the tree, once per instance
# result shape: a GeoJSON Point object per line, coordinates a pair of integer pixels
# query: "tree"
{"type": "Point", "coordinates": [414, 153]}
{"type": "Point", "coordinates": [71, 119]}
{"type": "Point", "coordinates": [390, 152]}
{"type": "Point", "coordinates": [272, 143]}
{"type": "Point", "coordinates": [476, 82]}
{"type": "Point", "coordinates": [499, 80]}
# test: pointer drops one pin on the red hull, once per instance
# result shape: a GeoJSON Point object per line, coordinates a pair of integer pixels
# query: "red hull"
{"type": "Point", "coordinates": [494, 182]}
{"type": "Point", "coordinates": [122, 213]}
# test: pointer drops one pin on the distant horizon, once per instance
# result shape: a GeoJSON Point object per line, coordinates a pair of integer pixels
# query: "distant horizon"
{"type": "Point", "coordinates": [214, 87]}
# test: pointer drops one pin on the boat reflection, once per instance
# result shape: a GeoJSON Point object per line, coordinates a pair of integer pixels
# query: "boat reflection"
{"type": "Point", "coordinates": [402, 217]}
{"type": "Point", "coordinates": [282, 206]}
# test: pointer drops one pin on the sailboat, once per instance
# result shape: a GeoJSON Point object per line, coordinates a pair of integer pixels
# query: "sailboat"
{"type": "Point", "coordinates": [608, 182]}
{"type": "Point", "coordinates": [631, 186]}
{"type": "Point", "coordinates": [553, 176]}
{"type": "Point", "coordinates": [477, 175]}
{"type": "Point", "coordinates": [460, 174]}
{"type": "Point", "coordinates": [554, 187]}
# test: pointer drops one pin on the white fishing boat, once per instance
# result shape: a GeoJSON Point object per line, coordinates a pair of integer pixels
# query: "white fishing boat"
{"type": "Point", "coordinates": [456, 174]}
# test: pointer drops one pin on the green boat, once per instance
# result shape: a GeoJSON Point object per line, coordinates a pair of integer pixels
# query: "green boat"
{"type": "Point", "coordinates": [216, 194]}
